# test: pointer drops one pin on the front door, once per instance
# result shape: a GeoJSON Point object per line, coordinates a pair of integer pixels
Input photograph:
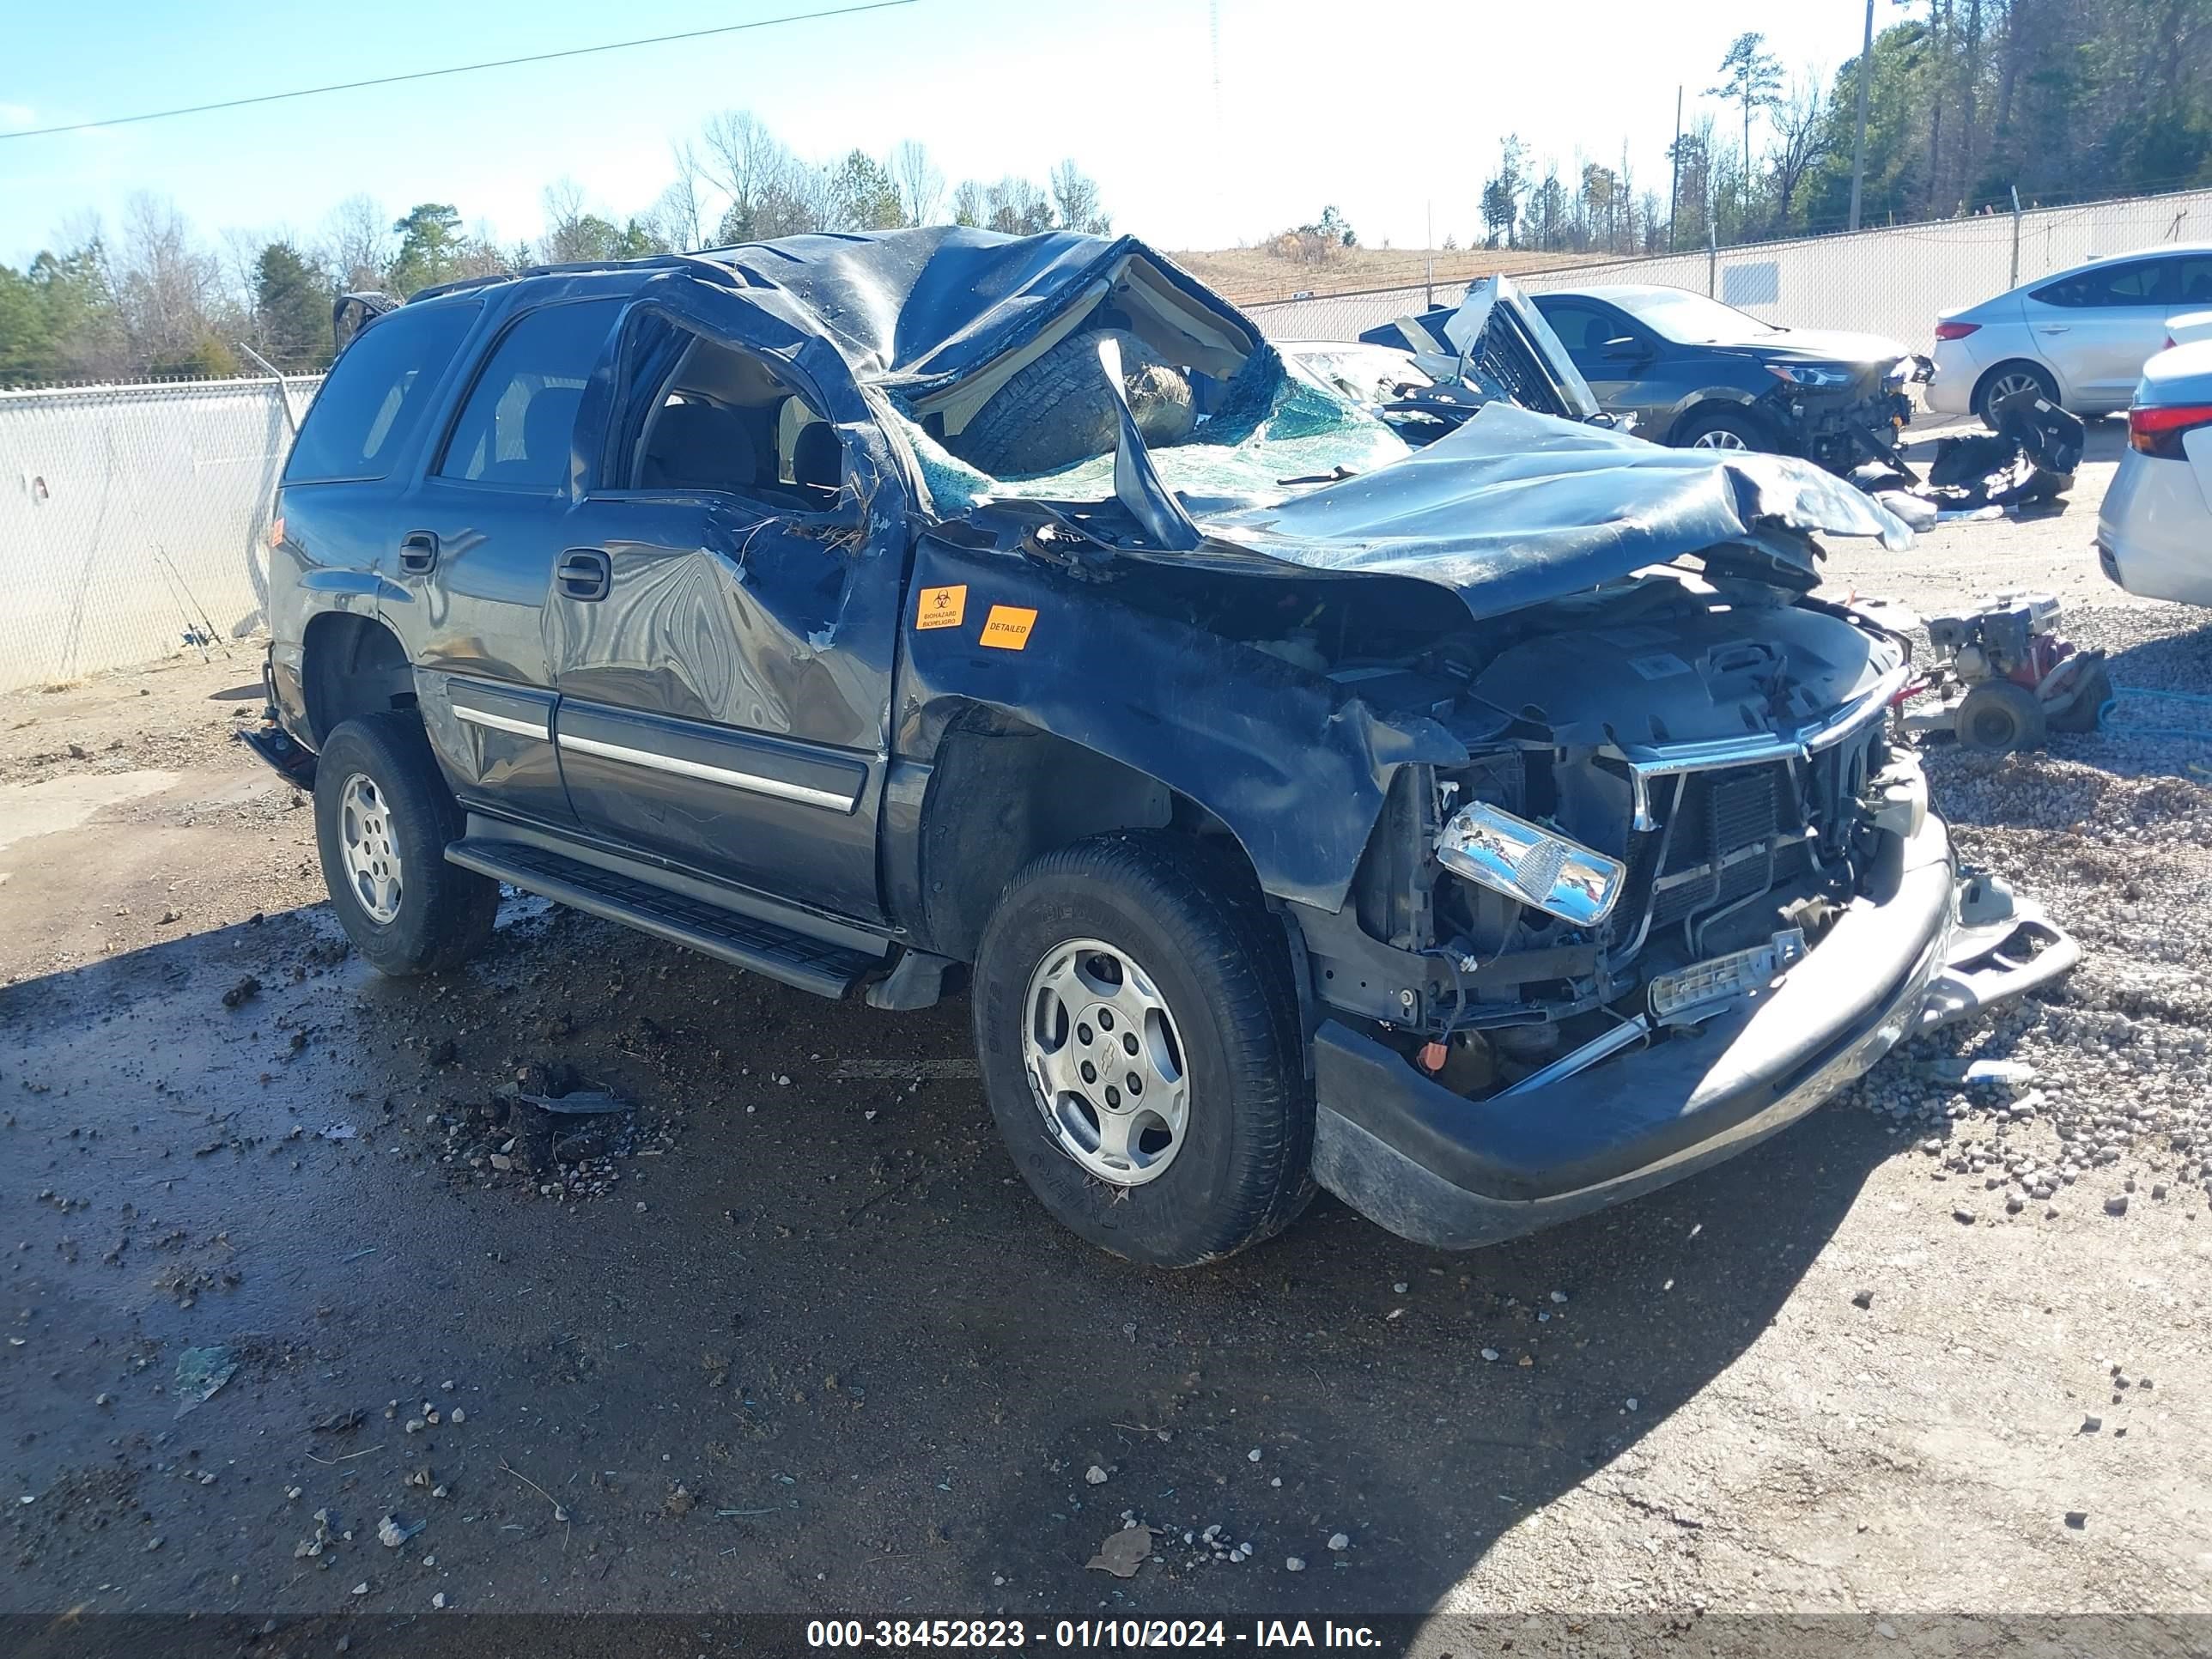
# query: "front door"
{"type": "Point", "coordinates": [1618, 357]}
{"type": "Point", "coordinates": [721, 613]}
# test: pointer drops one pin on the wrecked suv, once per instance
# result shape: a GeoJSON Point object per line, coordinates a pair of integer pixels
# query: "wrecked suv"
{"type": "Point", "coordinates": [1486, 832]}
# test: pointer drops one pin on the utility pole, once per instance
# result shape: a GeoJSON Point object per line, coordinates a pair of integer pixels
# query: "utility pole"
{"type": "Point", "coordinates": [1858, 143]}
{"type": "Point", "coordinates": [1675, 178]}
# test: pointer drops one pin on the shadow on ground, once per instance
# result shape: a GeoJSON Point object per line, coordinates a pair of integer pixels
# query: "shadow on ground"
{"type": "Point", "coordinates": [816, 1349]}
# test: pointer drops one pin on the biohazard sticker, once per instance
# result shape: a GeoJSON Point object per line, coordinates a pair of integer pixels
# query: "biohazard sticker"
{"type": "Point", "coordinates": [941, 607]}
{"type": "Point", "coordinates": [1008, 627]}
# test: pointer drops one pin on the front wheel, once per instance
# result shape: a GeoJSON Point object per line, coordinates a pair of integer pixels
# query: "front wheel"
{"type": "Point", "coordinates": [1138, 1032]}
{"type": "Point", "coordinates": [383, 820]}
{"type": "Point", "coordinates": [1727, 428]}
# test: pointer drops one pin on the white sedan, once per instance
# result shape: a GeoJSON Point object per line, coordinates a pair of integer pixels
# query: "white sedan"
{"type": "Point", "coordinates": [2155, 533]}
{"type": "Point", "coordinates": [2080, 337]}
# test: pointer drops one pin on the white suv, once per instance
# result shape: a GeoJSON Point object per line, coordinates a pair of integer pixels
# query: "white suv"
{"type": "Point", "coordinates": [2080, 336]}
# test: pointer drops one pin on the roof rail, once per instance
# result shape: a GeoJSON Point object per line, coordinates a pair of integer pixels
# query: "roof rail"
{"type": "Point", "coordinates": [691, 262]}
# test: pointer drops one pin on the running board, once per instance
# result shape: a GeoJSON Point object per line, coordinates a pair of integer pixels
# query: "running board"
{"type": "Point", "coordinates": [827, 969]}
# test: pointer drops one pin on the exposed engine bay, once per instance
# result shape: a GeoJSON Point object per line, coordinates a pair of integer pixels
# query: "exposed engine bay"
{"type": "Point", "coordinates": [1659, 773]}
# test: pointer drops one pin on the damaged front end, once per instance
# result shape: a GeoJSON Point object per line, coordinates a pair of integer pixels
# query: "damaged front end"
{"type": "Point", "coordinates": [1685, 886]}
{"type": "Point", "coordinates": [1599, 851]}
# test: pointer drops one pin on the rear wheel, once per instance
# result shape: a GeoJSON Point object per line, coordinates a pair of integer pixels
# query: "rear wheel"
{"type": "Point", "coordinates": [1999, 716]}
{"type": "Point", "coordinates": [2008, 380]}
{"type": "Point", "coordinates": [1141, 1049]}
{"type": "Point", "coordinates": [383, 820]}
{"type": "Point", "coordinates": [1726, 428]}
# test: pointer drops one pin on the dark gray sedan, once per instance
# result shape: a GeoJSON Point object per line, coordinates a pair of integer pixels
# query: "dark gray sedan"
{"type": "Point", "coordinates": [1700, 374]}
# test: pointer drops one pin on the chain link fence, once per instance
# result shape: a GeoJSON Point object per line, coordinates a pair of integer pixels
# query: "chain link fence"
{"type": "Point", "coordinates": [134, 520]}
{"type": "Point", "coordinates": [1890, 281]}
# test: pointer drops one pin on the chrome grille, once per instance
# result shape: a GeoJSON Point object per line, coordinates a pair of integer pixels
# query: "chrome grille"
{"type": "Point", "coordinates": [1736, 832]}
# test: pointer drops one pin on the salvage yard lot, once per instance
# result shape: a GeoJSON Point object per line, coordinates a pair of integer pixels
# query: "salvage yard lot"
{"type": "Point", "coordinates": [798, 1338]}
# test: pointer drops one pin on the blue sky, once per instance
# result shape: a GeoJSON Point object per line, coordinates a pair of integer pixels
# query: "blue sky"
{"type": "Point", "coordinates": [1381, 106]}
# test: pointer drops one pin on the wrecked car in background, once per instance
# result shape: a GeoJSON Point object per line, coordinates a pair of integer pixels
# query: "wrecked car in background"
{"type": "Point", "coordinates": [1701, 374]}
{"type": "Point", "coordinates": [1487, 831]}
{"type": "Point", "coordinates": [1425, 375]}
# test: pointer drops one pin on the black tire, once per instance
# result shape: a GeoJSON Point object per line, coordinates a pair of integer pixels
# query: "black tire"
{"type": "Point", "coordinates": [1059, 409]}
{"type": "Point", "coordinates": [1999, 717]}
{"type": "Point", "coordinates": [2080, 714]}
{"type": "Point", "coordinates": [2000, 379]}
{"type": "Point", "coordinates": [1724, 420]}
{"type": "Point", "coordinates": [1197, 926]}
{"type": "Point", "coordinates": [443, 913]}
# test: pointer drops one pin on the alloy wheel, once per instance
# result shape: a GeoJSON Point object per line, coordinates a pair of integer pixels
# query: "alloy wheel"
{"type": "Point", "coordinates": [1105, 1062]}
{"type": "Point", "coordinates": [370, 854]}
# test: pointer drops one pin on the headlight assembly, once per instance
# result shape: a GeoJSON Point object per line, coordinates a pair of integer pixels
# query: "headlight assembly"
{"type": "Point", "coordinates": [1526, 861]}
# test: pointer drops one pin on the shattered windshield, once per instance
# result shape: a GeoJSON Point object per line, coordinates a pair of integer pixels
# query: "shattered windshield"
{"type": "Point", "coordinates": [1272, 433]}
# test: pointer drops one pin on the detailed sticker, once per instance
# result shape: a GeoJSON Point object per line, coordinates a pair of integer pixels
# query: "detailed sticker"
{"type": "Point", "coordinates": [1008, 627]}
{"type": "Point", "coordinates": [1659, 665]}
{"type": "Point", "coordinates": [941, 607]}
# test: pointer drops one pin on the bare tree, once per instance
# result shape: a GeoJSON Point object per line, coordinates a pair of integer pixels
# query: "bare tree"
{"type": "Point", "coordinates": [1800, 134]}
{"type": "Point", "coordinates": [968, 202]}
{"type": "Point", "coordinates": [1016, 206]}
{"type": "Point", "coordinates": [169, 289]}
{"type": "Point", "coordinates": [1076, 197]}
{"type": "Point", "coordinates": [564, 213]}
{"type": "Point", "coordinates": [480, 254]}
{"type": "Point", "coordinates": [920, 185]}
{"type": "Point", "coordinates": [357, 243]}
{"type": "Point", "coordinates": [679, 215]}
{"type": "Point", "coordinates": [750, 166]}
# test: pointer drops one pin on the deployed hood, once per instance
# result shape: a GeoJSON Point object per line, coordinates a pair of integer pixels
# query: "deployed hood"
{"type": "Point", "coordinates": [1515, 509]}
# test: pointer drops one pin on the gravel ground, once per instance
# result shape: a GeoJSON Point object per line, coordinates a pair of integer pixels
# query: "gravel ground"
{"type": "Point", "coordinates": [795, 1338]}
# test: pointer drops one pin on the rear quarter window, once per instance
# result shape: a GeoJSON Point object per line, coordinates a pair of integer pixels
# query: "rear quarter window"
{"type": "Point", "coordinates": [377, 394]}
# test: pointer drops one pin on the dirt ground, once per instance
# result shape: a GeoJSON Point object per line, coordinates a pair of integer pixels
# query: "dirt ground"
{"type": "Point", "coordinates": [799, 1340]}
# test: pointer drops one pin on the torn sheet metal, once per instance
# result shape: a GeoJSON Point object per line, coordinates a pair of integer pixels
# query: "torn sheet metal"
{"type": "Point", "coordinates": [928, 313]}
{"type": "Point", "coordinates": [1246, 736]}
{"type": "Point", "coordinates": [1515, 509]}
{"type": "Point", "coordinates": [2030, 459]}
{"type": "Point", "coordinates": [1497, 344]}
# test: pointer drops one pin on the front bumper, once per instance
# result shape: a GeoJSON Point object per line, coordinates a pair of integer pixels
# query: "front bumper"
{"type": "Point", "coordinates": [1437, 1168]}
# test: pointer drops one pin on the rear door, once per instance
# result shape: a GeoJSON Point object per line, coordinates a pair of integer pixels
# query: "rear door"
{"type": "Point", "coordinates": [477, 552]}
{"type": "Point", "coordinates": [720, 614]}
{"type": "Point", "coordinates": [2096, 327]}
{"type": "Point", "coordinates": [338, 538]}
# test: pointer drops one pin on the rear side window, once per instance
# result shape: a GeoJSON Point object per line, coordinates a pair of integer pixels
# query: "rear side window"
{"type": "Point", "coordinates": [518, 425]}
{"type": "Point", "coordinates": [377, 394]}
{"type": "Point", "coordinates": [2141, 283]}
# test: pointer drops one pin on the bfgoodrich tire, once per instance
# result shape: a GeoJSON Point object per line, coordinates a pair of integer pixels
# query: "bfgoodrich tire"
{"type": "Point", "coordinates": [383, 820]}
{"type": "Point", "coordinates": [1140, 1045]}
{"type": "Point", "coordinates": [1060, 410]}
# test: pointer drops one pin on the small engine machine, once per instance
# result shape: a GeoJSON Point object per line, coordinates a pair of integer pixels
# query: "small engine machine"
{"type": "Point", "coordinates": [2003, 677]}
